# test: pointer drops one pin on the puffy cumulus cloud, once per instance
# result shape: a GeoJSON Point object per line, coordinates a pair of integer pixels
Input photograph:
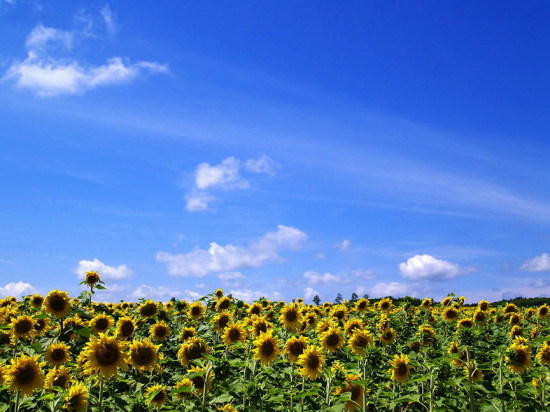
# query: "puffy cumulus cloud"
{"type": "Point", "coordinates": [50, 77]}
{"type": "Point", "coordinates": [427, 268]}
{"type": "Point", "coordinates": [106, 272]}
{"type": "Point", "coordinates": [316, 278]}
{"type": "Point", "coordinates": [250, 295]}
{"type": "Point", "coordinates": [309, 293]}
{"type": "Point", "coordinates": [17, 289]}
{"type": "Point", "coordinates": [218, 258]}
{"type": "Point", "coordinates": [537, 264]}
{"type": "Point", "coordinates": [226, 175]}
{"type": "Point", "coordinates": [163, 293]}
{"type": "Point", "coordinates": [394, 289]}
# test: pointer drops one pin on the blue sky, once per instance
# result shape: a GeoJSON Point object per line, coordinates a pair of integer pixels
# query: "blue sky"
{"type": "Point", "coordinates": [275, 149]}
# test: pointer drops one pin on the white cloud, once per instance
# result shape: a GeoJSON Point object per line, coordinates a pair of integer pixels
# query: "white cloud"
{"type": "Point", "coordinates": [344, 245]}
{"type": "Point", "coordinates": [363, 274]}
{"type": "Point", "coordinates": [426, 267]}
{"type": "Point", "coordinates": [316, 278]}
{"type": "Point", "coordinates": [109, 19]}
{"type": "Point", "coordinates": [155, 292]}
{"type": "Point", "coordinates": [17, 290]}
{"type": "Point", "coordinates": [227, 276]}
{"type": "Point", "coordinates": [249, 295]}
{"type": "Point", "coordinates": [106, 272]}
{"type": "Point", "coordinates": [42, 37]}
{"type": "Point", "coordinates": [218, 258]}
{"type": "Point", "coordinates": [51, 77]}
{"type": "Point", "coordinates": [309, 293]}
{"type": "Point", "coordinates": [394, 289]}
{"type": "Point", "coordinates": [537, 264]}
{"type": "Point", "coordinates": [225, 176]}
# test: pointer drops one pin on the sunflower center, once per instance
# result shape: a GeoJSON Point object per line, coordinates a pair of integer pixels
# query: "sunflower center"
{"type": "Point", "coordinates": [402, 369]}
{"type": "Point", "coordinates": [187, 334]}
{"type": "Point", "coordinates": [339, 314]}
{"type": "Point", "coordinates": [39, 325]}
{"type": "Point", "coordinates": [127, 329]}
{"type": "Point", "coordinates": [384, 305]}
{"type": "Point", "coordinates": [101, 324]}
{"type": "Point", "coordinates": [267, 348]}
{"type": "Point", "coordinates": [37, 301]}
{"type": "Point", "coordinates": [159, 397]}
{"type": "Point", "coordinates": [142, 356]}
{"type": "Point", "coordinates": [543, 311]}
{"type": "Point", "coordinates": [25, 375]}
{"type": "Point", "coordinates": [361, 341]}
{"type": "Point", "coordinates": [23, 326]}
{"type": "Point", "coordinates": [362, 305]}
{"type": "Point", "coordinates": [60, 381]}
{"type": "Point", "coordinates": [333, 339]}
{"type": "Point", "coordinates": [313, 361]}
{"type": "Point", "coordinates": [261, 328]}
{"type": "Point", "coordinates": [224, 304]}
{"type": "Point", "coordinates": [520, 357]}
{"type": "Point", "coordinates": [291, 315]}
{"type": "Point", "coordinates": [296, 348]}
{"type": "Point", "coordinates": [57, 303]}
{"type": "Point", "coordinates": [107, 354]}
{"type": "Point", "coordinates": [149, 309]}
{"type": "Point", "coordinates": [195, 352]}
{"type": "Point", "coordinates": [58, 354]}
{"type": "Point", "coordinates": [223, 321]}
{"type": "Point", "coordinates": [195, 311]}
{"type": "Point", "coordinates": [161, 331]}
{"type": "Point", "coordinates": [198, 382]}
{"type": "Point", "coordinates": [74, 402]}
{"type": "Point", "coordinates": [4, 338]}
{"type": "Point", "coordinates": [355, 392]}
{"type": "Point", "coordinates": [256, 310]}
{"type": "Point", "coordinates": [234, 334]}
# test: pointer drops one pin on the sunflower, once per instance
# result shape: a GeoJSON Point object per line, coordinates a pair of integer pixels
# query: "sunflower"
{"type": "Point", "coordinates": [234, 333]}
{"type": "Point", "coordinates": [450, 313]}
{"type": "Point", "coordinates": [359, 341]}
{"type": "Point", "coordinates": [455, 350]}
{"type": "Point", "coordinates": [339, 312]}
{"type": "Point", "coordinates": [193, 348]}
{"type": "Point", "coordinates": [310, 321]}
{"type": "Point", "coordinates": [255, 309]}
{"type": "Point", "coordinates": [227, 408]}
{"type": "Point", "coordinates": [427, 303]}
{"type": "Point", "coordinates": [481, 317]}
{"type": "Point", "coordinates": [332, 340]}
{"type": "Point", "coordinates": [59, 377]}
{"type": "Point", "coordinates": [25, 374]}
{"type": "Point", "coordinates": [218, 293]}
{"type": "Point", "coordinates": [351, 325]}
{"type": "Point", "coordinates": [57, 304]}
{"type": "Point", "coordinates": [160, 331]}
{"type": "Point", "coordinates": [291, 317]}
{"type": "Point", "coordinates": [196, 310]}
{"type": "Point", "coordinates": [356, 400]}
{"type": "Point", "coordinates": [472, 373]}
{"type": "Point", "coordinates": [22, 327]}
{"type": "Point", "coordinates": [223, 303]}
{"type": "Point", "coordinates": [92, 278]}
{"type": "Point", "coordinates": [427, 334]}
{"type": "Point", "coordinates": [385, 305]}
{"type": "Point", "coordinates": [543, 312]}
{"type": "Point", "coordinates": [148, 309]}
{"type": "Point", "coordinates": [41, 326]}
{"type": "Point", "coordinates": [266, 348]}
{"type": "Point", "coordinates": [182, 387]}
{"type": "Point", "coordinates": [156, 394]}
{"type": "Point", "coordinates": [447, 301]}
{"type": "Point", "coordinates": [384, 322]}
{"type": "Point", "coordinates": [221, 320]}
{"type": "Point", "coordinates": [483, 305]}
{"type": "Point", "coordinates": [362, 304]}
{"type": "Point", "coordinates": [261, 325]}
{"type": "Point", "coordinates": [388, 336]}
{"type": "Point", "coordinates": [201, 379]}
{"type": "Point", "coordinates": [77, 398]}
{"type": "Point", "coordinates": [143, 354]}
{"type": "Point", "coordinates": [36, 301]}
{"type": "Point", "coordinates": [543, 355]}
{"type": "Point", "coordinates": [325, 325]}
{"type": "Point", "coordinates": [312, 361]}
{"type": "Point", "coordinates": [465, 323]}
{"type": "Point", "coordinates": [105, 354]}
{"type": "Point", "coordinates": [516, 331]}
{"type": "Point", "coordinates": [101, 323]}
{"type": "Point", "coordinates": [295, 346]}
{"type": "Point", "coordinates": [57, 354]}
{"type": "Point", "coordinates": [125, 327]}
{"type": "Point", "coordinates": [401, 370]}
{"type": "Point", "coordinates": [519, 358]}
{"type": "Point", "coordinates": [187, 333]}
{"type": "Point", "coordinates": [510, 308]}
{"type": "Point", "coordinates": [514, 319]}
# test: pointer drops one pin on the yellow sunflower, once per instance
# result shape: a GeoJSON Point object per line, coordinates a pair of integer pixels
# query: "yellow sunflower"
{"type": "Point", "coordinates": [148, 309]}
{"type": "Point", "coordinates": [385, 305]}
{"type": "Point", "coordinates": [182, 387]}
{"type": "Point", "coordinates": [427, 303]}
{"type": "Point", "coordinates": [105, 355]}
{"type": "Point", "coordinates": [266, 348]}
{"type": "Point", "coordinates": [41, 326]}
{"type": "Point", "coordinates": [125, 327]}
{"type": "Point", "coordinates": [362, 304]}
{"type": "Point", "coordinates": [451, 313]}
{"type": "Point", "coordinates": [201, 379]}
{"type": "Point", "coordinates": [359, 341]}
{"type": "Point", "coordinates": [57, 354]}
{"type": "Point", "coordinates": [196, 310]}
{"type": "Point", "coordinates": [516, 331]}
{"type": "Point", "coordinates": [465, 323]}
{"type": "Point", "coordinates": [22, 327]}
{"type": "Point", "coordinates": [227, 408]}
{"type": "Point", "coordinates": [36, 301]}
{"type": "Point", "coordinates": [519, 358]}
{"type": "Point", "coordinates": [92, 278]}
{"type": "Point", "coordinates": [187, 333]}
{"type": "Point", "coordinates": [543, 355]}
{"type": "Point", "coordinates": [59, 377]}
{"type": "Point", "coordinates": [473, 373]}
{"type": "Point", "coordinates": [388, 336]}
{"type": "Point", "coordinates": [351, 325]}
{"type": "Point", "coordinates": [510, 308]}
{"type": "Point", "coordinates": [291, 317]}
{"type": "Point", "coordinates": [221, 320]}
{"type": "Point", "coordinates": [77, 398]}
{"type": "Point", "coordinates": [483, 305]}
{"type": "Point", "coordinates": [455, 350]}
{"type": "Point", "coordinates": [143, 354]}
{"type": "Point", "coordinates": [160, 331]}
{"type": "Point", "coordinates": [223, 303]}
{"type": "Point", "coordinates": [218, 293]}
{"type": "Point", "coordinates": [25, 374]}
{"type": "Point", "coordinates": [57, 304]}
{"type": "Point", "coordinates": [193, 348]}
{"type": "Point", "coordinates": [261, 325]}
{"type": "Point", "coordinates": [543, 312]}
{"type": "Point", "coordinates": [101, 323]}
{"type": "Point", "coordinates": [311, 361]}
{"type": "Point", "coordinates": [356, 391]}
{"type": "Point", "coordinates": [427, 334]}
{"type": "Point", "coordinates": [447, 301]}
{"type": "Point", "coordinates": [339, 312]}
{"type": "Point", "coordinates": [255, 309]}
{"type": "Point", "coordinates": [234, 333]}
{"type": "Point", "coordinates": [332, 340]}
{"type": "Point", "coordinates": [295, 346]}
{"type": "Point", "coordinates": [514, 319]}
{"type": "Point", "coordinates": [156, 394]}
{"type": "Point", "coordinates": [481, 317]}
{"type": "Point", "coordinates": [401, 370]}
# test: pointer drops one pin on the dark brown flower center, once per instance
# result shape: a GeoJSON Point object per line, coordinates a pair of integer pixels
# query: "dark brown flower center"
{"type": "Point", "coordinates": [297, 348]}
{"type": "Point", "coordinates": [187, 334]}
{"type": "Point", "coordinates": [402, 369]}
{"type": "Point", "coordinates": [196, 311]}
{"type": "Point", "coordinates": [23, 326]}
{"type": "Point", "coordinates": [355, 392]}
{"type": "Point", "coordinates": [234, 334]}
{"type": "Point", "coordinates": [291, 315]}
{"type": "Point", "coordinates": [127, 329]}
{"type": "Point", "coordinates": [223, 321]}
{"type": "Point", "coordinates": [57, 303]}
{"type": "Point", "coordinates": [333, 339]}
{"type": "Point", "coordinates": [60, 381]}
{"type": "Point", "coordinates": [58, 354]}
{"type": "Point", "coordinates": [261, 328]}
{"type": "Point", "coordinates": [256, 310]}
{"type": "Point", "coordinates": [101, 323]}
{"type": "Point", "coordinates": [313, 361]}
{"type": "Point", "coordinates": [142, 356]}
{"type": "Point", "coordinates": [148, 310]}
{"type": "Point", "coordinates": [339, 314]}
{"type": "Point", "coordinates": [224, 304]}
{"type": "Point", "coordinates": [361, 341]}
{"type": "Point", "coordinates": [107, 354]}
{"type": "Point", "coordinates": [161, 331]}
{"type": "Point", "coordinates": [195, 351]}
{"type": "Point", "coordinates": [267, 348]}
{"type": "Point", "coordinates": [198, 382]}
{"type": "Point", "coordinates": [37, 300]}
{"type": "Point", "coordinates": [24, 375]}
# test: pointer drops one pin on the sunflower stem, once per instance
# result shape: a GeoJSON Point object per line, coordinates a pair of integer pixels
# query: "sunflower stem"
{"type": "Point", "coordinates": [302, 399]}
{"type": "Point", "coordinates": [501, 383]}
{"type": "Point", "coordinates": [365, 388]}
{"type": "Point", "coordinates": [100, 395]}
{"type": "Point", "coordinates": [206, 375]}
{"type": "Point", "coordinates": [16, 406]}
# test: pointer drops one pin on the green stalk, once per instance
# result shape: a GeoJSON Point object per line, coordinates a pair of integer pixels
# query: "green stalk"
{"type": "Point", "coordinates": [303, 388]}
{"type": "Point", "coordinates": [100, 395]}
{"type": "Point", "coordinates": [16, 407]}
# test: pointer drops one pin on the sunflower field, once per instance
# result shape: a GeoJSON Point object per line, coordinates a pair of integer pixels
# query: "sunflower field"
{"type": "Point", "coordinates": [218, 353]}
